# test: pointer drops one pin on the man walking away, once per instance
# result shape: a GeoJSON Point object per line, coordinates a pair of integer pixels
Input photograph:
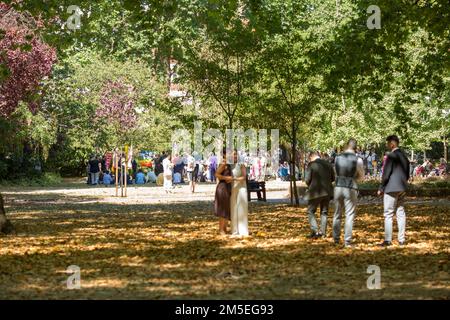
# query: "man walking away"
{"type": "Point", "coordinates": [319, 177]}
{"type": "Point", "coordinates": [394, 183]}
{"type": "Point", "coordinates": [349, 170]}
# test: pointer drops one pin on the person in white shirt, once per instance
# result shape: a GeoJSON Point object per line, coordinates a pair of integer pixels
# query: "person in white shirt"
{"type": "Point", "coordinates": [168, 171]}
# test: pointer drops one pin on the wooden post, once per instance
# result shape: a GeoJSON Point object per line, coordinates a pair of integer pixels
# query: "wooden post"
{"type": "Point", "coordinates": [116, 169]}
{"type": "Point", "coordinates": [121, 174]}
{"type": "Point", "coordinates": [126, 169]}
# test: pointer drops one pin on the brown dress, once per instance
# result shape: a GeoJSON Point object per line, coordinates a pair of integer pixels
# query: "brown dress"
{"type": "Point", "coordinates": [222, 197]}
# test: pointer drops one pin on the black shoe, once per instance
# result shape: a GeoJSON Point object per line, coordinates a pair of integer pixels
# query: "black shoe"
{"type": "Point", "coordinates": [321, 235]}
{"type": "Point", "coordinates": [313, 235]}
{"type": "Point", "coordinates": [385, 244]}
{"type": "Point", "coordinates": [336, 242]}
{"type": "Point", "coordinates": [402, 243]}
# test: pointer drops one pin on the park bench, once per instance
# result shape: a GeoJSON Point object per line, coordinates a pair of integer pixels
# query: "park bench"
{"type": "Point", "coordinates": [258, 187]}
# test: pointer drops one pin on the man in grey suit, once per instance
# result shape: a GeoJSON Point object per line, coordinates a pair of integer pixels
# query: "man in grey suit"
{"type": "Point", "coordinates": [394, 183]}
{"type": "Point", "coordinates": [319, 177]}
{"type": "Point", "coordinates": [349, 169]}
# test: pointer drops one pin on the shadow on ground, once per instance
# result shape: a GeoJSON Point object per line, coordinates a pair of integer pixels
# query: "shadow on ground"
{"type": "Point", "coordinates": [172, 251]}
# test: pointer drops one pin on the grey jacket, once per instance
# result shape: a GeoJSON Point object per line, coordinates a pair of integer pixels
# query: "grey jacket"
{"type": "Point", "coordinates": [319, 177]}
{"type": "Point", "coordinates": [395, 173]}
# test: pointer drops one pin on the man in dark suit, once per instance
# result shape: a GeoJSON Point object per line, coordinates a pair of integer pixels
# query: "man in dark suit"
{"type": "Point", "coordinates": [394, 184]}
{"type": "Point", "coordinates": [319, 177]}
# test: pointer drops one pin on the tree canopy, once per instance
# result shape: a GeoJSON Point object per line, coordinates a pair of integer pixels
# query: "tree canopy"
{"type": "Point", "coordinates": [313, 69]}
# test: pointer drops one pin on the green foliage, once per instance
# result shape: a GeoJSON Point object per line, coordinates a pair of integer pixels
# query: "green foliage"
{"type": "Point", "coordinates": [310, 68]}
{"type": "Point", "coordinates": [74, 96]}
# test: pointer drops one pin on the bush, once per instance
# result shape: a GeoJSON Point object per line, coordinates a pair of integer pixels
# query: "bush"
{"type": "Point", "coordinates": [45, 180]}
{"type": "Point", "coordinates": [3, 169]}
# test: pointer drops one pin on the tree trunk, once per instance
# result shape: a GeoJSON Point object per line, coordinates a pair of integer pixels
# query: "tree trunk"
{"type": "Point", "coordinates": [6, 226]}
{"type": "Point", "coordinates": [291, 193]}
{"type": "Point", "coordinates": [294, 190]}
{"type": "Point", "coordinates": [445, 149]}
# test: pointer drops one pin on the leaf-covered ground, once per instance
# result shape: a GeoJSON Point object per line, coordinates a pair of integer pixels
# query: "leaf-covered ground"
{"type": "Point", "coordinates": [149, 250]}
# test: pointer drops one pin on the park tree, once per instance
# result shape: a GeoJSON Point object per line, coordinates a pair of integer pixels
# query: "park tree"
{"type": "Point", "coordinates": [291, 67]}
{"type": "Point", "coordinates": [217, 58]}
{"type": "Point", "coordinates": [314, 69]}
{"type": "Point", "coordinates": [100, 103]}
{"type": "Point", "coordinates": [25, 60]}
{"type": "Point", "coordinates": [389, 79]}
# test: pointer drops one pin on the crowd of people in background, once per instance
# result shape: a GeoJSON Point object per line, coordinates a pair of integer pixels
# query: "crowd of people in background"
{"type": "Point", "coordinates": [373, 165]}
{"type": "Point", "coordinates": [170, 171]}
{"type": "Point", "coordinates": [174, 170]}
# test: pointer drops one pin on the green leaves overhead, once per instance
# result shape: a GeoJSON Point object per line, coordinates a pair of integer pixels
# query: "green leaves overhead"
{"type": "Point", "coordinates": [311, 68]}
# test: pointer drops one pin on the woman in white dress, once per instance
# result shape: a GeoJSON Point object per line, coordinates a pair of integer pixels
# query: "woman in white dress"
{"type": "Point", "coordinates": [167, 166]}
{"type": "Point", "coordinates": [239, 201]}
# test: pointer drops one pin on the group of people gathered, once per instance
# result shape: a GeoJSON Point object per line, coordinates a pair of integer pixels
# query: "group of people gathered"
{"type": "Point", "coordinates": [345, 173]}
{"type": "Point", "coordinates": [98, 172]}
{"type": "Point", "coordinates": [427, 169]}
{"type": "Point", "coordinates": [174, 169]}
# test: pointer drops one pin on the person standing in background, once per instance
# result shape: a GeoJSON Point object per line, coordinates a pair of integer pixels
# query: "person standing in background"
{"type": "Point", "coordinates": [190, 168]}
{"type": "Point", "coordinates": [212, 167]}
{"type": "Point", "coordinates": [94, 170]}
{"type": "Point", "coordinates": [198, 158]}
{"type": "Point", "coordinates": [134, 167]}
{"type": "Point", "coordinates": [88, 172]}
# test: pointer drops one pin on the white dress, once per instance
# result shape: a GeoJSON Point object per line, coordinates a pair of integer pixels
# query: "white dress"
{"type": "Point", "coordinates": [239, 204]}
{"type": "Point", "coordinates": [167, 174]}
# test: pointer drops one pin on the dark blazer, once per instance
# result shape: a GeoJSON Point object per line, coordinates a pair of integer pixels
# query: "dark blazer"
{"type": "Point", "coordinates": [319, 177]}
{"type": "Point", "coordinates": [395, 173]}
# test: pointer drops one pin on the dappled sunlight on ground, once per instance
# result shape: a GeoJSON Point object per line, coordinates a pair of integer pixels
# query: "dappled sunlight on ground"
{"type": "Point", "coordinates": [149, 250]}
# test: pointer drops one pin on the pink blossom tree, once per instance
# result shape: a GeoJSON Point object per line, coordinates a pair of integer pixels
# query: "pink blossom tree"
{"type": "Point", "coordinates": [117, 101]}
{"type": "Point", "coordinates": [25, 60]}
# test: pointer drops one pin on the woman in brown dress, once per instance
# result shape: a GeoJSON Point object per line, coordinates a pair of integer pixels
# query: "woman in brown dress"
{"type": "Point", "coordinates": [223, 194]}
